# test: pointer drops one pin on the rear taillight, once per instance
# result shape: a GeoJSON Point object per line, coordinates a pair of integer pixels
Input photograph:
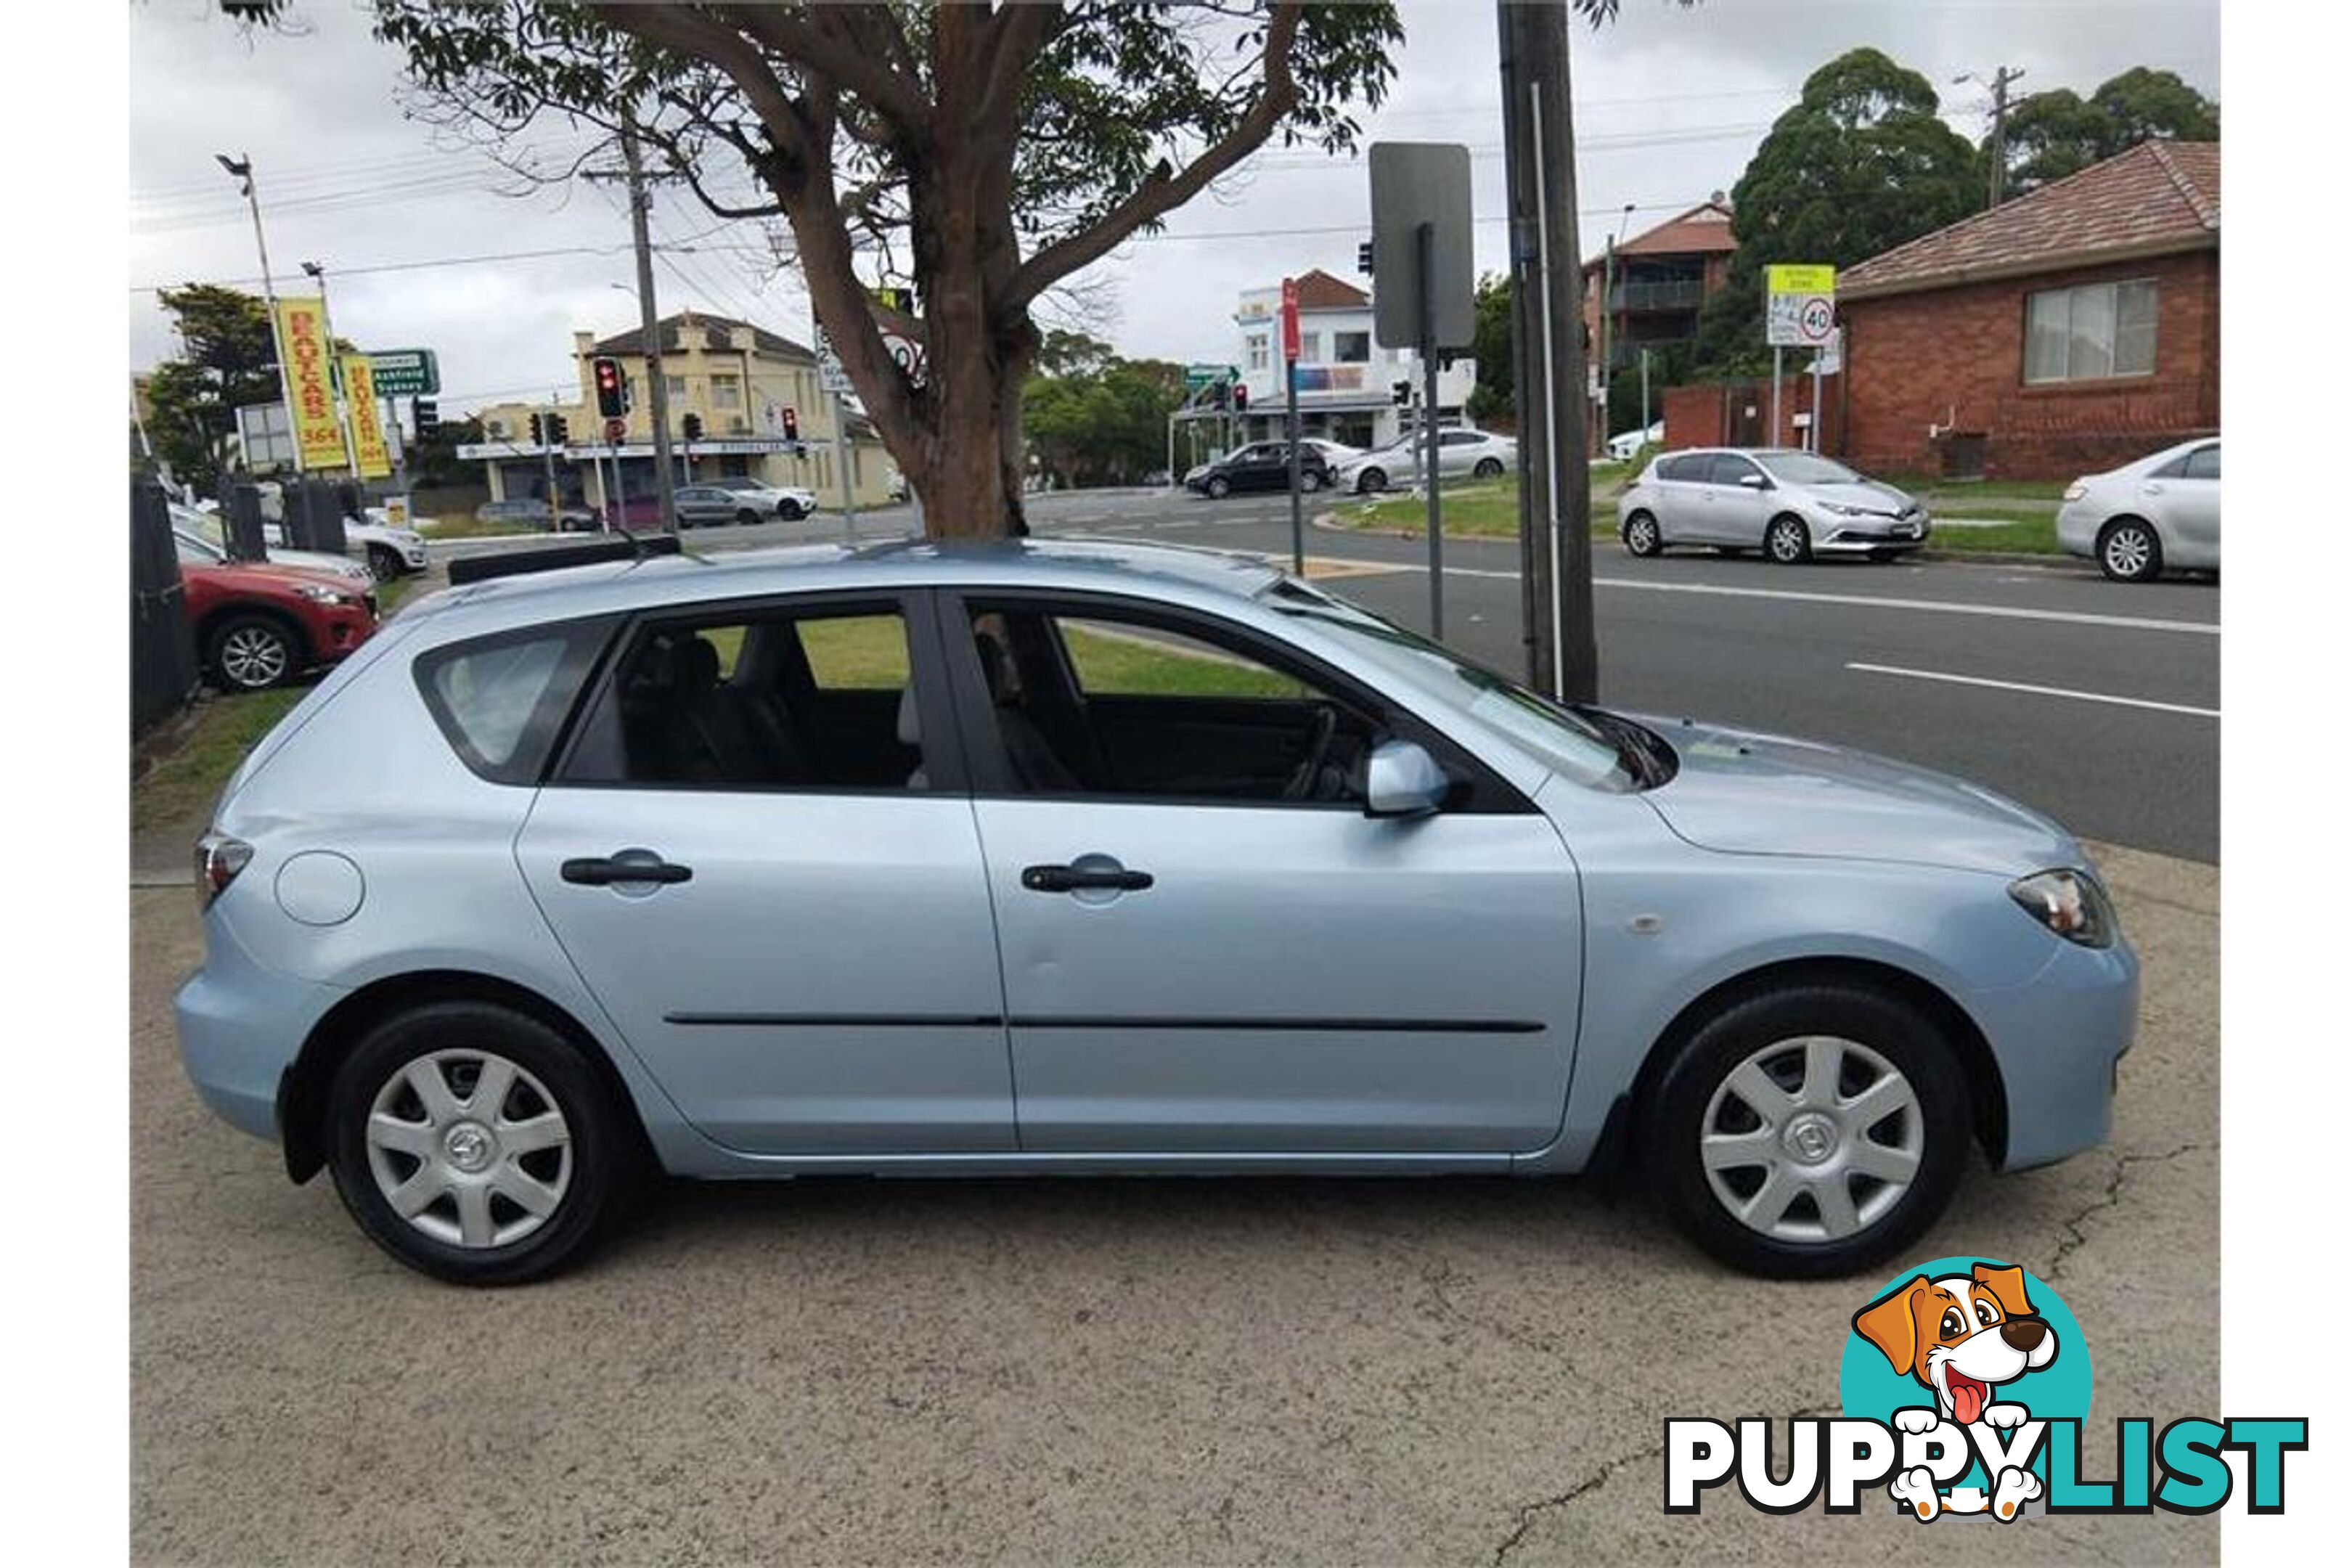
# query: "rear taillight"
{"type": "Point", "coordinates": [219, 858]}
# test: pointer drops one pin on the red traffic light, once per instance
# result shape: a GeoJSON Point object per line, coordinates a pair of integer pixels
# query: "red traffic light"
{"type": "Point", "coordinates": [612, 390]}
{"type": "Point", "coordinates": [792, 423]}
{"type": "Point", "coordinates": [1241, 398]}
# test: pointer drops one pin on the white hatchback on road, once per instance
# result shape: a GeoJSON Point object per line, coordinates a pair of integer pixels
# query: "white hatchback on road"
{"type": "Point", "coordinates": [1790, 504]}
{"type": "Point", "coordinates": [2162, 511]}
{"type": "Point", "coordinates": [1459, 452]}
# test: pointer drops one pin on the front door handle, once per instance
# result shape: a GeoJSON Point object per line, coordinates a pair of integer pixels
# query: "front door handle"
{"type": "Point", "coordinates": [1076, 879]}
{"type": "Point", "coordinates": [629, 866]}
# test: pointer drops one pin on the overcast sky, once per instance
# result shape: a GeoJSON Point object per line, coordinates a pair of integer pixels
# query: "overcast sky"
{"type": "Point", "coordinates": [1670, 105]}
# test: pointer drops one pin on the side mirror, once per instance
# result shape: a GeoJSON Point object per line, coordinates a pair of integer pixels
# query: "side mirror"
{"type": "Point", "coordinates": [1756, 481]}
{"type": "Point", "coordinates": [1402, 779]}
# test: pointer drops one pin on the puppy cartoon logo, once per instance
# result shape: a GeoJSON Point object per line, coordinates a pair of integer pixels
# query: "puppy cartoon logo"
{"type": "Point", "coordinates": [1961, 1336]}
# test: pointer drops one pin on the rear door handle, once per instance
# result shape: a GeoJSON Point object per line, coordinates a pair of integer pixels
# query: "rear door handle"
{"type": "Point", "coordinates": [629, 866]}
{"type": "Point", "coordinates": [1072, 879]}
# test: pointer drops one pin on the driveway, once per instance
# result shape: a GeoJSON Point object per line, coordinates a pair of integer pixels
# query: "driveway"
{"type": "Point", "coordinates": [1445, 1371]}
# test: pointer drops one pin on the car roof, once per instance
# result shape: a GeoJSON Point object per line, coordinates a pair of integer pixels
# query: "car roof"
{"type": "Point", "coordinates": [619, 587]}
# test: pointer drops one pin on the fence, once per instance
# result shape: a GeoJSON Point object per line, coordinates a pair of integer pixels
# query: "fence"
{"type": "Point", "coordinates": [162, 647]}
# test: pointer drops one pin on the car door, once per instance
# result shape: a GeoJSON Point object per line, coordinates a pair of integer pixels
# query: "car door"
{"type": "Point", "coordinates": [2187, 501]}
{"type": "Point", "coordinates": [1738, 506]}
{"type": "Point", "coordinates": [758, 853]}
{"type": "Point", "coordinates": [1198, 960]}
{"type": "Point", "coordinates": [1680, 498]}
{"type": "Point", "coordinates": [701, 504]}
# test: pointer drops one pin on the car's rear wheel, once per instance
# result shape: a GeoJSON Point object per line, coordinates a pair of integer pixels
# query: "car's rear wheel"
{"type": "Point", "coordinates": [475, 1143]}
{"type": "Point", "coordinates": [1641, 537]}
{"type": "Point", "coordinates": [1218, 487]}
{"type": "Point", "coordinates": [790, 510]}
{"type": "Point", "coordinates": [1488, 469]}
{"type": "Point", "coordinates": [1788, 541]}
{"type": "Point", "coordinates": [1371, 479]}
{"type": "Point", "coordinates": [2129, 551]}
{"type": "Point", "coordinates": [748, 518]}
{"type": "Point", "coordinates": [1809, 1130]}
{"type": "Point", "coordinates": [255, 652]}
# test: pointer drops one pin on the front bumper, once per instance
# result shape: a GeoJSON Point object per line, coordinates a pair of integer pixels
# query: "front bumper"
{"type": "Point", "coordinates": [1835, 535]}
{"type": "Point", "coordinates": [337, 630]}
{"type": "Point", "coordinates": [2057, 1041]}
{"type": "Point", "coordinates": [2078, 528]}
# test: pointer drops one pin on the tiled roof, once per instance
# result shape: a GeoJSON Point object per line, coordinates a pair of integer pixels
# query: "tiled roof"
{"type": "Point", "coordinates": [714, 331]}
{"type": "Point", "coordinates": [1703, 230]}
{"type": "Point", "coordinates": [2158, 196]}
{"type": "Point", "coordinates": [1318, 290]}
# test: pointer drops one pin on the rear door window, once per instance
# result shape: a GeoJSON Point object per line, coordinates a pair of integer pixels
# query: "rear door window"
{"type": "Point", "coordinates": [1724, 469]}
{"type": "Point", "coordinates": [501, 700]}
{"type": "Point", "coordinates": [1687, 469]}
{"type": "Point", "coordinates": [2204, 463]}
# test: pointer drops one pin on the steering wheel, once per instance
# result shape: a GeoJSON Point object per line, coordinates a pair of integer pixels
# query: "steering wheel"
{"type": "Point", "coordinates": [1303, 783]}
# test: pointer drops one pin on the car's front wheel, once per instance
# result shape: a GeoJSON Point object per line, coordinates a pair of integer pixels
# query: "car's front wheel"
{"type": "Point", "coordinates": [1641, 536]}
{"type": "Point", "coordinates": [790, 510]}
{"type": "Point", "coordinates": [2129, 551]}
{"type": "Point", "coordinates": [1809, 1130]}
{"type": "Point", "coordinates": [252, 653]}
{"type": "Point", "coordinates": [1789, 540]}
{"type": "Point", "coordinates": [1218, 487]}
{"type": "Point", "coordinates": [384, 562]}
{"type": "Point", "coordinates": [475, 1143]}
{"type": "Point", "coordinates": [1488, 469]}
{"type": "Point", "coordinates": [1371, 479]}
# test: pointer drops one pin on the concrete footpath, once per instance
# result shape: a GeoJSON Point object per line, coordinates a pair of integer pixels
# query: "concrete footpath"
{"type": "Point", "coordinates": [1445, 1370]}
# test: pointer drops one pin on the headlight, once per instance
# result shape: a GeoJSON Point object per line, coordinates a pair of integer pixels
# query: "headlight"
{"type": "Point", "coordinates": [2076, 491]}
{"type": "Point", "coordinates": [2071, 903]}
{"type": "Point", "coordinates": [1843, 510]}
{"type": "Point", "coordinates": [321, 593]}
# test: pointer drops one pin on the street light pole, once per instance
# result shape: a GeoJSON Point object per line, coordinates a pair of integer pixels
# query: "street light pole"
{"type": "Point", "coordinates": [318, 273]}
{"type": "Point", "coordinates": [241, 170]}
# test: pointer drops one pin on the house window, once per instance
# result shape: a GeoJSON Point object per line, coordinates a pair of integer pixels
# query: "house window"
{"type": "Point", "coordinates": [1311, 348]}
{"type": "Point", "coordinates": [2095, 331]}
{"type": "Point", "coordinates": [1256, 345]}
{"type": "Point", "coordinates": [678, 386]}
{"type": "Point", "coordinates": [726, 391]}
{"type": "Point", "coordinates": [1352, 348]}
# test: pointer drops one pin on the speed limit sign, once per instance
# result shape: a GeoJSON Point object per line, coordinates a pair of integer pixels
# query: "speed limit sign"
{"type": "Point", "coordinates": [1814, 322]}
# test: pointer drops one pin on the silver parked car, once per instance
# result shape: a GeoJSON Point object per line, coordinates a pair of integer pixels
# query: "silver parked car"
{"type": "Point", "coordinates": [2160, 512]}
{"type": "Point", "coordinates": [1460, 452]}
{"type": "Point", "coordinates": [1083, 858]}
{"type": "Point", "coordinates": [1789, 504]}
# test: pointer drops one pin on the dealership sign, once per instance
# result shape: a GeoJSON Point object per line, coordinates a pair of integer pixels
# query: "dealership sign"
{"type": "Point", "coordinates": [367, 421]}
{"type": "Point", "coordinates": [302, 341]}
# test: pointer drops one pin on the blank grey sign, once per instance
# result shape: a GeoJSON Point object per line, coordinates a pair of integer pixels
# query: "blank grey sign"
{"type": "Point", "coordinates": [1416, 182]}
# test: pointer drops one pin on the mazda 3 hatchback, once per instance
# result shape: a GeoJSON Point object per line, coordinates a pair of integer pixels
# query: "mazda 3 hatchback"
{"type": "Point", "coordinates": [1071, 858]}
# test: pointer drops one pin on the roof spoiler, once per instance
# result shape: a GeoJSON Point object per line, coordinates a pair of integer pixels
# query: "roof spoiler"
{"type": "Point", "coordinates": [622, 545]}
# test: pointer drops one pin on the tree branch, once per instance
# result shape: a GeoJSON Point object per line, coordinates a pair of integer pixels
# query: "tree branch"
{"type": "Point", "coordinates": [816, 37]}
{"type": "Point", "coordinates": [1163, 192]}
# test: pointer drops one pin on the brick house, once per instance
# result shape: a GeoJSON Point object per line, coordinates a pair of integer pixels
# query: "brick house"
{"type": "Point", "coordinates": [1663, 276]}
{"type": "Point", "coordinates": [2070, 330]}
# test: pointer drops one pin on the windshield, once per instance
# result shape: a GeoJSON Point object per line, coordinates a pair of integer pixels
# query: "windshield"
{"type": "Point", "coordinates": [1805, 468]}
{"type": "Point", "coordinates": [1582, 745]}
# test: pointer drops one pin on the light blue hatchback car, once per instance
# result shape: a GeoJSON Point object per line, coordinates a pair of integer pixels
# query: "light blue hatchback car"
{"type": "Point", "coordinates": [1071, 858]}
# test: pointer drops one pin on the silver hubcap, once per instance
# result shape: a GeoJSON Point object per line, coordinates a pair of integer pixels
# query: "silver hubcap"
{"type": "Point", "coordinates": [2127, 552]}
{"type": "Point", "coordinates": [1788, 544]}
{"type": "Point", "coordinates": [1811, 1140]}
{"type": "Point", "coordinates": [1645, 535]}
{"type": "Point", "coordinates": [468, 1147]}
{"type": "Point", "coordinates": [254, 656]}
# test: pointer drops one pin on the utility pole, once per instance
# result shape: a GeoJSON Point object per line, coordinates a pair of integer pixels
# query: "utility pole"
{"type": "Point", "coordinates": [657, 385]}
{"type": "Point", "coordinates": [1556, 500]}
{"type": "Point", "coordinates": [1997, 174]}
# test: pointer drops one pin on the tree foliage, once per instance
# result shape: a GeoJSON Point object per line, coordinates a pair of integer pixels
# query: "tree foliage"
{"type": "Point", "coordinates": [981, 155]}
{"type": "Point", "coordinates": [229, 360]}
{"type": "Point", "coordinates": [1094, 418]}
{"type": "Point", "coordinates": [1495, 396]}
{"type": "Point", "coordinates": [1859, 164]}
{"type": "Point", "coordinates": [2051, 134]}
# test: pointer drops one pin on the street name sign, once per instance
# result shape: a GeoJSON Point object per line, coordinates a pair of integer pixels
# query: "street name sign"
{"type": "Point", "coordinates": [406, 373]}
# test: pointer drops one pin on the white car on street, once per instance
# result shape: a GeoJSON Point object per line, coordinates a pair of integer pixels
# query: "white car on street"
{"type": "Point", "coordinates": [2159, 512]}
{"type": "Point", "coordinates": [392, 551]}
{"type": "Point", "coordinates": [789, 502]}
{"type": "Point", "coordinates": [1461, 452]}
{"type": "Point", "coordinates": [1625, 443]}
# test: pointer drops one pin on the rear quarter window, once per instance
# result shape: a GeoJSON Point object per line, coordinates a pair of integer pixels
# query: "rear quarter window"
{"type": "Point", "coordinates": [500, 702]}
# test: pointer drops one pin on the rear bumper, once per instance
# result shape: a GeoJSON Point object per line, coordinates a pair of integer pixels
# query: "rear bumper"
{"type": "Point", "coordinates": [241, 1025]}
{"type": "Point", "coordinates": [2057, 1041]}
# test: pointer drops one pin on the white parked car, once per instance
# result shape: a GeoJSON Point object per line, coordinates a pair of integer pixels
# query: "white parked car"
{"type": "Point", "coordinates": [2162, 511]}
{"type": "Point", "coordinates": [1625, 443]}
{"type": "Point", "coordinates": [211, 535]}
{"type": "Point", "coordinates": [789, 502]}
{"type": "Point", "coordinates": [1790, 505]}
{"type": "Point", "coordinates": [390, 552]}
{"type": "Point", "coordinates": [1460, 451]}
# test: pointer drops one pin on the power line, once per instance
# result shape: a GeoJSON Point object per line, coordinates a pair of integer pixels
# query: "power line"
{"type": "Point", "coordinates": [418, 265]}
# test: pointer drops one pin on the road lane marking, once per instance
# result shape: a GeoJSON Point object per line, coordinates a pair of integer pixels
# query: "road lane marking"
{"type": "Point", "coordinates": [2036, 690]}
{"type": "Point", "coordinates": [1935, 607]}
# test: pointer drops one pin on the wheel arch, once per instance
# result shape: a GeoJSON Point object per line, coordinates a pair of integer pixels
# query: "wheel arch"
{"type": "Point", "coordinates": [302, 1091]}
{"type": "Point", "coordinates": [1988, 1094]}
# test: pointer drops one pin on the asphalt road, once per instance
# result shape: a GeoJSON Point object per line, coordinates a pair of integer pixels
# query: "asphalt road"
{"type": "Point", "coordinates": [2097, 702]}
{"type": "Point", "coordinates": [1470, 1372]}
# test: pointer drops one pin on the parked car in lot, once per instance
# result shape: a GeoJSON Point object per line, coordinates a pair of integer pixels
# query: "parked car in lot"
{"type": "Point", "coordinates": [1625, 443]}
{"type": "Point", "coordinates": [800, 861]}
{"type": "Point", "coordinates": [1260, 466]}
{"type": "Point", "coordinates": [1790, 505]}
{"type": "Point", "coordinates": [1460, 452]}
{"type": "Point", "coordinates": [717, 502]}
{"type": "Point", "coordinates": [203, 532]}
{"type": "Point", "coordinates": [788, 502]}
{"type": "Point", "coordinates": [258, 625]}
{"type": "Point", "coordinates": [2161, 512]}
{"type": "Point", "coordinates": [525, 512]}
{"type": "Point", "coordinates": [390, 552]}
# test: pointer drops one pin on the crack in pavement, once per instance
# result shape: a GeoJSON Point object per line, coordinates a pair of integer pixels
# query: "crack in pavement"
{"type": "Point", "coordinates": [2075, 1240]}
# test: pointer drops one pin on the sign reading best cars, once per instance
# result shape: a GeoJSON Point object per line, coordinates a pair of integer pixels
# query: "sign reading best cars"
{"type": "Point", "coordinates": [303, 339]}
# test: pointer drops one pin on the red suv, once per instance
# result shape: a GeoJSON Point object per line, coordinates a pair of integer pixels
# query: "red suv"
{"type": "Point", "coordinates": [257, 625]}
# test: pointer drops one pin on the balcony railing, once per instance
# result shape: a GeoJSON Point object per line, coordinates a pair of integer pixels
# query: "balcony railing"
{"type": "Point", "coordinates": [1672, 294]}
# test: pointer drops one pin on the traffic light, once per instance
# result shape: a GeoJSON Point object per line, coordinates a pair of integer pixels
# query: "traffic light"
{"type": "Point", "coordinates": [1364, 258]}
{"type": "Point", "coordinates": [428, 419]}
{"type": "Point", "coordinates": [692, 425]}
{"type": "Point", "coordinates": [1241, 398]}
{"type": "Point", "coordinates": [537, 431]}
{"type": "Point", "coordinates": [557, 435]}
{"type": "Point", "coordinates": [1401, 393]}
{"type": "Point", "coordinates": [611, 388]}
{"type": "Point", "coordinates": [792, 423]}
{"type": "Point", "coordinates": [900, 299]}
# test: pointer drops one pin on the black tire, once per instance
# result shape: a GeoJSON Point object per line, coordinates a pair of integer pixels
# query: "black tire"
{"type": "Point", "coordinates": [748, 518]}
{"type": "Point", "coordinates": [2129, 551]}
{"type": "Point", "coordinates": [384, 562]}
{"type": "Point", "coordinates": [601, 1154]}
{"type": "Point", "coordinates": [1788, 541]}
{"type": "Point", "coordinates": [1876, 1020]}
{"type": "Point", "coordinates": [1218, 487]}
{"type": "Point", "coordinates": [1310, 481]}
{"type": "Point", "coordinates": [790, 510]}
{"type": "Point", "coordinates": [1487, 468]}
{"type": "Point", "coordinates": [240, 652]}
{"type": "Point", "coordinates": [1642, 537]}
{"type": "Point", "coordinates": [1371, 479]}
